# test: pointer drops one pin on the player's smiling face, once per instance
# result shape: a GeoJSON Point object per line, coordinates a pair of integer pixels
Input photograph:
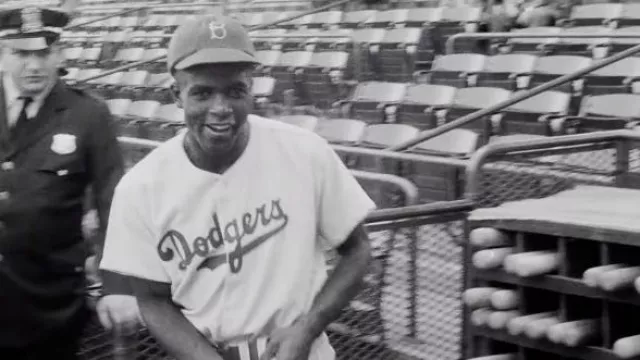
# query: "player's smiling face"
{"type": "Point", "coordinates": [216, 100]}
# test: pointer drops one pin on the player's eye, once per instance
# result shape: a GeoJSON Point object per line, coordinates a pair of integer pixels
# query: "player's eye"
{"type": "Point", "coordinates": [201, 95]}
{"type": "Point", "coordinates": [236, 93]}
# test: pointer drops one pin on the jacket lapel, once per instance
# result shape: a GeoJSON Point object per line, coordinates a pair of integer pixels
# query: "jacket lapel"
{"type": "Point", "coordinates": [27, 133]}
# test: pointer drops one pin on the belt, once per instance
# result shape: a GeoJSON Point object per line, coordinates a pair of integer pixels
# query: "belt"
{"type": "Point", "coordinates": [245, 350]}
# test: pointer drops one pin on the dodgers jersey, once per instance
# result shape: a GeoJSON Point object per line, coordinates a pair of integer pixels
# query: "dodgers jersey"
{"type": "Point", "coordinates": [243, 251]}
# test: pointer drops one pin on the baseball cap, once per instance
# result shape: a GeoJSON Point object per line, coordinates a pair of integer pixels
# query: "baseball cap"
{"type": "Point", "coordinates": [209, 39]}
{"type": "Point", "coordinates": [31, 27]}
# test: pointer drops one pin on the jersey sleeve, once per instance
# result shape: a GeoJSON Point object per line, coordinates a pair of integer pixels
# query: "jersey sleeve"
{"type": "Point", "coordinates": [130, 248]}
{"type": "Point", "coordinates": [342, 202]}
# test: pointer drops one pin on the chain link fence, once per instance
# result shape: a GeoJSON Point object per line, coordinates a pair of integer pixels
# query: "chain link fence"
{"type": "Point", "coordinates": [410, 306]}
{"type": "Point", "coordinates": [537, 169]}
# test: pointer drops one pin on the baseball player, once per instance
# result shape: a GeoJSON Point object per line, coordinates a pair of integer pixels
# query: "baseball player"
{"type": "Point", "coordinates": [222, 230]}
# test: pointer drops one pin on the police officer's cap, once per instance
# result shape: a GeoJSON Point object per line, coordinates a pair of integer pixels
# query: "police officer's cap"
{"type": "Point", "coordinates": [31, 28]}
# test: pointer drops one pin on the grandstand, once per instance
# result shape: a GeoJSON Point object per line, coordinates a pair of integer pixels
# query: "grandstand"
{"type": "Point", "coordinates": [434, 118]}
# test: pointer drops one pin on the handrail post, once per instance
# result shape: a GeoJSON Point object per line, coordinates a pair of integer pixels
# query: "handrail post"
{"type": "Point", "coordinates": [429, 134]}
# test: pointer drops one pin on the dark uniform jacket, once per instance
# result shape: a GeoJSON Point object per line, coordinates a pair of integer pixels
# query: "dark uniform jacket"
{"type": "Point", "coordinates": [46, 165]}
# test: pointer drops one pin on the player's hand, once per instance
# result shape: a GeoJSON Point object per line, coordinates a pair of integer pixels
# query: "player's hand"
{"type": "Point", "coordinates": [118, 311]}
{"type": "Point", "coordinates": [290, 343]}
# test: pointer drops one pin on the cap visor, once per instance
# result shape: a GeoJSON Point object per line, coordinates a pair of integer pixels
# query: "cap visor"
{"type": "Point", "coordinates": [215, 56]}
{"type": "Point", "coordinates": [35, 43]}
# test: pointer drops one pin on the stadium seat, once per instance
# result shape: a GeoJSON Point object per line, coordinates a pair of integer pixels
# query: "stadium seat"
{"type": "Point", "coordinates": [90, 57]}
{"type": "Point", "coordinates": [356, 19]}
{"type": "Point", "coordinates": [341, 131]}
{"type": "Point", "coordinates": [126, 56]}
{"type": "Point", "coordinates": [453, 70]}
{"type": "Point", "coordinates": [421, 17]}
{"type": "Point", "coordinates": [604, 112]}
{"type": "Point", "coordinates": [630, 16]}
{"type": "Point", "coordinates": [288, 74]}
{"type": "Point", "coordinates": [72, 55]}
{"type": "Point", "coordinates": [118, 107]}
{"type": "Point", "coordinates": [617, 77]}
{"type": "Point", "coordinates": [422, 102]}
{"type": "Point", "coordinates": [268, 59]}
{"type": "Point", "coordinates": [531, 45]}
{"type": "Point", "coordinates": [456, 20]}
{"type": "Point", "coordinates": [594, 14]}
{"type": "Point", "coordinates": [397, 54]}
{"type": "Point", "coordinates": [262, 90]}
{"type": "Point", "coordinates": [325, 20]}
{"type": "Point", "coordinates": [548, 68]}
{"type": "Point", "coordinates": [269, 39]}
{"type": "Point", "coordinates": [591, 47]}
{"type": "Point", "coordinates": [439, 182]}
{"type": "Point", "coordinates": [506, 71]}
{"type": "Point", "coordinates": [365, 45]}
{"type": "Point", "coordinates": [533, 115]}
{"type": "Point", "coordinates": [165, 123]}
{"type": "Point", "coordinates": [324, 78]}
{"type": "Point", "coordinates": [459, 143]}
{"type": "Point", "coordinates": [472, 99]}
{"type": "Point", "coordinates": [374, 102]}
{"type": "Point", "coordinates": [619, 44]}
{"type": "Point", "coordinates": [304, 121]}
{"type": "Point", "coordinates": [138, 114]}
{"type": "Point", "coordinates": [157, 66]}
{"type": "Point", "coordinates": [331, 40]}
{"type": "Point", "coordinates": [381, 136]}
{"type": "Point", "coordinates": [387, 19]}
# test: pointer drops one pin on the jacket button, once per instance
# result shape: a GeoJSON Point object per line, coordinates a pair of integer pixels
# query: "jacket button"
{"type": "Point", "coordinates": [7, 166]}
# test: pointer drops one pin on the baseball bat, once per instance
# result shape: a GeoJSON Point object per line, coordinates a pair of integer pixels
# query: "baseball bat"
{"type": "Point", "coordinates": [637, 284]}
{"type": "Point", "coordinates": [516, 326]}
{"type": "Point", "coordinates": [590, 276]}
{"type": "Point", "coordinates": [532, 263]}
{"type": "Point", "coordinates": [485, 237]}
{"type": "Point", "coordinates": [580, 332]}
{"type": "Point", "coordinates": [480, 317]}
{"type": "Point", "coordinates": [491, 258]}
{"type": "Point", "coordinates": [537, 329]}
{"type": "Point", "coordinates": [496, 357]}
{"type": "Point", "coordinates": [498, 319]}
{"type": "Point", "coordinates": [505, 299]}
{"type": "Point", "coordinates": [618, 279]}
{"type": "Point", "coordinates": [628, 347]}
{"type": "Point", "coordinates": [573, 333]}
{"type": "Point", "coordinates": [478, 297]}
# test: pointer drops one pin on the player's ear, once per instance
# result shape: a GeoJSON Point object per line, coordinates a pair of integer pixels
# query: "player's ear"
{"type": "Point", "coordinates": [175, 91]}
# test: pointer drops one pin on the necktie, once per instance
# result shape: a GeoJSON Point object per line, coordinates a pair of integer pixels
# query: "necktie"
{"type": "Point", "coordinates": [23, 113]}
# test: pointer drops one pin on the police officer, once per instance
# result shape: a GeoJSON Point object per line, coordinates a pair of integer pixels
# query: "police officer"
{"type": "Point", "coordinates": [55, 142]}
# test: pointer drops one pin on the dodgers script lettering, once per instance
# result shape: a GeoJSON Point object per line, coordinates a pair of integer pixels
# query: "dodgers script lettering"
{"type": "Point", "coordinates": [263, 222]}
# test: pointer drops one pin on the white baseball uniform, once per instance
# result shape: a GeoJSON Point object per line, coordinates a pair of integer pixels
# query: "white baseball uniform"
{"type": "Point", "coordinates": [244, 251]}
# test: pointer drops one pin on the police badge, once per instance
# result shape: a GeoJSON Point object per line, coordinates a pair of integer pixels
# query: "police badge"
{"type": "Point", "coordinates": [31, 19]}
{"type": "Point", "coordinates": [63, 144]}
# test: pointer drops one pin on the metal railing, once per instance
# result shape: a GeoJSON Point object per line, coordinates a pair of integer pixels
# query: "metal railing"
{"type": "Point", "coordinates": [450, 43]}
{"type": "Point", "coordinates": [390, 182]}
{"type": "Point", "coordinates": [609, 158]}
{"type": "Point", "coordinates": [474, 116]}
